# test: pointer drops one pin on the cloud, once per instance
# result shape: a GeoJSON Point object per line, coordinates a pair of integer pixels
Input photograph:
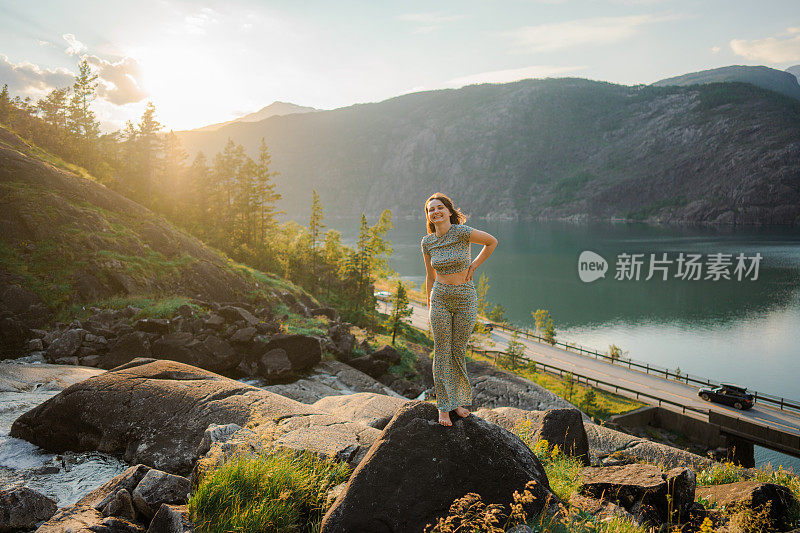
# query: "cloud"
{"type": "Point", "coordinates": [430, 21]}
{"type": "Point", "coordinates": [25, 77]}
{"type": "Point", "coordinates": [198, 23]}
{"type": "Point", "coordinates": [120, 82]}
{"type": "Point", "coordinates": [599, 30]}
{"type": "Point", "coordinates": [75, 46]}
{"type": "Point", "coordinates": [506, 76]}
{"type": "Point", "coordinates": [771, 49]}
{"type": "Point", "coordinates": [715, 49]}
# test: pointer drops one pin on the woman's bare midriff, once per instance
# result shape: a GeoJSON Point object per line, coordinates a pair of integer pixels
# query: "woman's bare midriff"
{"type": "Point", "coordinates": [456, 278]}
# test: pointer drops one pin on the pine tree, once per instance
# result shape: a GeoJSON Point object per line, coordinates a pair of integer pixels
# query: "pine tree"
{"type": "Point", "coordinates": [173, 177]}
{"type": "Point", "coordinates": [482, 289]}
{"type": "Point", "coordinates": [515, 351]}
{"type": "Point", "coordinates": [5, 105]}
{"type": "Point", "coordinates": [265, 193]}
{"type": "Point", "coordinates": [148, 150]}
{"type": "Point", "coordinates": [401, 309]}
{"type": "Point", "coordinates": [314, 226]}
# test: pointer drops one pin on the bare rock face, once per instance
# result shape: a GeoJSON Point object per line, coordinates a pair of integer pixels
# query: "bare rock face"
{"type": "Point", "coordinates": [171, 519]}
{"type": "Point", "coordinates": [642, 490]}
{"type": "Point", "coordinates": [563, 427]}
{"type": "Point", "coordinates": [495, 387]}
{"type": "Point", "coordinates": [22, 508]}
{"type": "Point", "coordinates": [417, 467]}
{"type": "Point", "coordinates": [170, 405]}
{"type": "Point", "coordinates": [753, 495]}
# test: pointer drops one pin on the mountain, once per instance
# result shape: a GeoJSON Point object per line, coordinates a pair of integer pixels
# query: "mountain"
{"type": "Point", "coordinates": [764, 77]}
{"type": "Point", "coordinates": [67, 240]}
{"type": "Point", "coordinates": [550, 149]}
{"type": "Point", "coordinates": [794, 70]}
{"type": "Point", "coordinates": [275, 109]}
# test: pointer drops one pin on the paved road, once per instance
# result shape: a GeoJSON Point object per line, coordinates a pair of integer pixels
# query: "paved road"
{"type": "Point", "coordinates": [682, 393]}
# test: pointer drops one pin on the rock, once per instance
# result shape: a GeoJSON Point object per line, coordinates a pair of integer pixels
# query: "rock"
{"type": "Point", "coordinates": [378, 362]}
{"type": "Point", "coordinates": [234, 314]}
{"type": "Point", "coordinates": [22, 508]}
{"type": "Point", "coordinates": [218, 433]}
{"type": "Point", "coordinates": [86, 519]}
{"type": "Point", "coordinates": [121, 505]}
{"type": "Point", "coordinates": [214, 321]}
{"type": "Point", "coordinates": [495, 387]}
{"type": "Point", "coordinates": [171, 405]}
{"type": "Point", "coordinates": [275, 366]}
{"type": "Point", "coordinates": [34, 345]}
{"type": "Point", "coordinates": [343, 340]}
{"type": "Point", "coordinates": [302, 350]}
{"type": "Point", "coordinates": [244, 335]}
{"type": "Point", "coordinates": [331, 378]}
{"type": "Point", "coordinates": [562, 427]}
{"type": "Point", "coordinates": [642, 490]}
{"type": "Point", "coordinates": [180, 346]}
{"type": "Point", "coordinates": [158, 487]}
{"type": "Point", "coordinates": [415, 455]}
{"type": "Point", "coordinates": [222, 356]}
{"type": "Point", "coordinates": [185, 311]}
{"type": "Point", "coordinates": [600, 509]}
{"type": "Point", "coordinates": [153, 325]}
{"type": "Point", "coordinates": [681, 485]}
{"type": "Point", "coordinates": [126, 348]}
{"type": "Point", "coordinates": [66, 345]}
{"type": "Point", "coordinates": [329, 312]}
{"type": "Point", "coordinates": [364, 407]}
{"type": "Point", "coordinates": [753, 495]}
{"type": "Point", "coordinates": [171, 519]}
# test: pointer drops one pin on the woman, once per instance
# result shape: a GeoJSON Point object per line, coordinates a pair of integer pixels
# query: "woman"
{"type": "Point", "coordinates": [452, 300]}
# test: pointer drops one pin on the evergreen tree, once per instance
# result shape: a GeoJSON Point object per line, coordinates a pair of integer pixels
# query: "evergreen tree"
{"type": "Point", "coordinates": [5, 105]}
{"type": "Point", "coordinates": [482, 289]}
{"type": "Point", "coordinates": [173, 177]}
{"type": "Point", "coordinates": [515, 351]}
{"type": "Point", "coordinates": [148, 145]}
{"type": "Point", "coordinates": [314, 226]}
{"type": "Point", "coordinates": [401, 310]}
{"type": "Point", "coordinates": [265, 193]}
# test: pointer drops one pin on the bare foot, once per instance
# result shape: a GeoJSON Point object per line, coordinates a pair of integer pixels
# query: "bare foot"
{"type": "Point", "coordinates": [462, 412]}
{"type": "Point", "coordinates": [444, 418]}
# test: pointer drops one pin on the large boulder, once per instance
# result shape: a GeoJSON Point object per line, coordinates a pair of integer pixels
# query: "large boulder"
{"type": "Point", "coordinates": [417, 468]}
{"type": "Point", "coordinates": [642, 490]}
{"type": "Point", "coordinates": [495, 387]}
{"type": "Point", "coordinates": [364, 407]}
{"type": "Point", "coordinates": [22, 508]}
{"type": "Point", "coordinates": [376, 363]}
{"type": "Point", "coordinates": [562, 427]}
{"type": "Point", "coordinates": [330, 378]}
{"type": "Point", "coordinates": [170, 405]}
{"type": "Point", "coordinates": [753, 495]}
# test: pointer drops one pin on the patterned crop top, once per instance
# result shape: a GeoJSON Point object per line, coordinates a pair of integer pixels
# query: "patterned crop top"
{"type": "Point", "coordinates": [451, 252]}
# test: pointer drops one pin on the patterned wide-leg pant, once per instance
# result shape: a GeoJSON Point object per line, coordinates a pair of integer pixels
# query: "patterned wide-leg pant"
{"type": "Point", "coordinates": [453, 311]}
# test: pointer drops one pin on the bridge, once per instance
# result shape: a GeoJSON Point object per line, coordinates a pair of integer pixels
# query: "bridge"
{"type": "Point", "coordinates": [773, 422]}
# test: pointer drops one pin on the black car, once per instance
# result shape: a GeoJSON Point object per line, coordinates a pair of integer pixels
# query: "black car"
{"type": "Point", "coordinates": [729, 394]}
{"type": "Point", "coordinates": [487, 327]}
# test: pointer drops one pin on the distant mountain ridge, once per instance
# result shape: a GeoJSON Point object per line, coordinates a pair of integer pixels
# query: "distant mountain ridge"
{"type": "Point", "coordinates": [784, 82]}
{"type": "Point", "coordinates": [794, 70]}
{"type": "Point", "coordinates": [275, 109]}
{"type": "Point", "coordinates": [565, 148]}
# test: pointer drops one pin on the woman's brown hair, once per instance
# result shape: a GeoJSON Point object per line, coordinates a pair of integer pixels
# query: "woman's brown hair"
{"type": "Point", "coordinates": [456, 216]}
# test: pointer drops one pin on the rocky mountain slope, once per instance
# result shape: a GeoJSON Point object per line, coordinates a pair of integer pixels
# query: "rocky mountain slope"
{"type": "Point", "coordinates": [550, 149]}
{"type": "Point", "coordinates": [783, 82]}
{"type": "Point", "coordinates": [275, 109]}
{"type": "Point", "coordinates": [66, 240]}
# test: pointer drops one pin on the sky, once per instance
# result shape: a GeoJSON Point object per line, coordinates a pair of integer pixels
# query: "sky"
{"type": "Point", "coordinates": [207, 62]}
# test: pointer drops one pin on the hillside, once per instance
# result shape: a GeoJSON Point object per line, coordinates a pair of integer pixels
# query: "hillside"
{"type": "Point", "coordinates": [550, 149]}
{"type": "Point", "coordinates": [275, 109]}
{"type": "Point", "coordinates": [784, 82]}
{"type": "Point", "coordinates": [67, 241]}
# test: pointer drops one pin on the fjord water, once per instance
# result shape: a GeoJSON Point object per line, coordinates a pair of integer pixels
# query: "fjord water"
{"type": "Point", "coordinates": [747, 331]}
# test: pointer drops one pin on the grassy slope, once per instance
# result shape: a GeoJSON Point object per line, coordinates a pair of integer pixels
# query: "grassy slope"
{"type": "Point", "coordinates": [76, 243]}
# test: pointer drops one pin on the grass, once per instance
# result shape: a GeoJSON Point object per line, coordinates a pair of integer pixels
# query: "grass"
{"type": "Point", "coordinates": [752, 519]}
{"type": "Point", "coordinates": [284, 491]}
{"type": "Point", "coordinates": [604, 405]}
{"type": "Point", "coordinates": [150, 306]}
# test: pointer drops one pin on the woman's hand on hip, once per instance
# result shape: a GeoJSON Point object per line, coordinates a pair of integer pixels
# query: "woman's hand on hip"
{"type": "Point", "coordinates": [470, 271]}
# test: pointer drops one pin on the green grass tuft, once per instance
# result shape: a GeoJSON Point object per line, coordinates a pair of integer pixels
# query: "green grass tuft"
{"type": "Point", "coordinates": [284, 491]}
